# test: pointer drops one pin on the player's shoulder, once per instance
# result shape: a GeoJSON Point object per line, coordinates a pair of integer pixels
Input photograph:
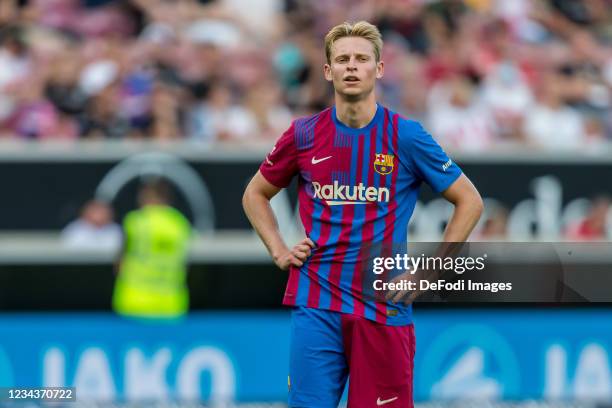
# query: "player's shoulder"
{"type": "Point", "coordinates": [407, 128]}
{"type": "Point", "coordinates": [311, 120]}
{"type": "Point", "coordinates": [303, 128]}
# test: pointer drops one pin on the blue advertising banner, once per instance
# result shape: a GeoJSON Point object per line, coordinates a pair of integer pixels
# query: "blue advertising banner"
{"type": "Point", "coordinates": [467, 353]}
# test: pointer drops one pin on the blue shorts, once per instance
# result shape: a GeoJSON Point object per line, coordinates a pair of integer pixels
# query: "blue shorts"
{"type": "Point", "coordinates": [327, 347]}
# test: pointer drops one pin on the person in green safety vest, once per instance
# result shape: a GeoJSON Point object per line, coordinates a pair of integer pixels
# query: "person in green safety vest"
{"type": "Point", "coordinates": [152, 268]}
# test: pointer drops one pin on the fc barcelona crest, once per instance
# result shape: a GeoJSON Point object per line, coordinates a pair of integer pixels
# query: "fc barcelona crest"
{"type": "Point", "coordinates": [383, 163]}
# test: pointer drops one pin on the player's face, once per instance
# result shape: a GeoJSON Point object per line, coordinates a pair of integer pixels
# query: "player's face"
{"type": "Point", "coordinates": [353, 69]}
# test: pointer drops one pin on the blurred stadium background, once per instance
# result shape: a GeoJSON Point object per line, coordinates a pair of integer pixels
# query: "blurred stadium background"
{"type": "Point", "coordinates": [96, 94]}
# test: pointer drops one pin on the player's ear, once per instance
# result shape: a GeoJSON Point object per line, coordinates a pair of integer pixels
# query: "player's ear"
{"type": "Point", "coordinates": [327, 72]}
{"type": "Point", "coordinates": [380, 69]}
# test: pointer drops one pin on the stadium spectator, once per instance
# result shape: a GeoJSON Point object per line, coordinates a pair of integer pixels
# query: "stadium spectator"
{"type": "Point", "coordinates": [166, 114]}
{"type": "Point", "coordinates": [458, 117]}
{"type": "Point", "coordinates": [101, 119]}
{"type": "Point", "coordinates": [94, 229]}
{"type": "Point", "coordinates": [218, 118]}
{"type": "Point", "coordinates": [35, 117]}
{"type": "Point", "coordinates": [271, 115]}
{"type": "Point", "coordinates": [494, 224]}
{"type": "Point", "coordinates": [15, 59]}
{"type": "Point", "coordinates": [506, 92]}
{"type": "Point", "coordinates": [595, 224]}
{"type": "Point", "coordinates": [551, 123]}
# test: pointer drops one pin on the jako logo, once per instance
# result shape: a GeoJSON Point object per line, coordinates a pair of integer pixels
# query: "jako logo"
{"type": "Point", "coordinates": [341, 194]}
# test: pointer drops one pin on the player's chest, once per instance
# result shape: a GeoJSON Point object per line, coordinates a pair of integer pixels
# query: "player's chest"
{"type": "Point", "coordinates": [349, 159]}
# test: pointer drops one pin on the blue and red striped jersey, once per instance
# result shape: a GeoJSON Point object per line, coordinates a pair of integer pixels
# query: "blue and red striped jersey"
{"type": "Point", "coordinates": [356, 188]}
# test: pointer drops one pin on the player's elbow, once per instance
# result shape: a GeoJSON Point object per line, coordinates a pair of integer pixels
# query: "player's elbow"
{"type": "Point", "coordinates": [475, 204]}
{"type": "Point", "coordinates": [258, 190]}
{"type": "Point", "coordinates": [247, 197]}
{"type": "Point", "coordinates": [464, 195]}
{"type": "Point", "coordinates": [470, 202]}
{"type": "Point", "coordinates": [480, 206]}
{"type": "Point", "coordinates": [252, 194]}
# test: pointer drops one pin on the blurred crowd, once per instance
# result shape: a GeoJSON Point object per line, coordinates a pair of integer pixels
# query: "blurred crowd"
{"type": "Point", "coordinates": [477, 73]}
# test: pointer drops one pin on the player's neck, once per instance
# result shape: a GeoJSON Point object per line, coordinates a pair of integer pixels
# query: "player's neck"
{"type": "Point", "coordinates": [356, 114]}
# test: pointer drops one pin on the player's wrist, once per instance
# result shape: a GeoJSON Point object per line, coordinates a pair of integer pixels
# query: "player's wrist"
{"type": "Point", "coordinates": [278, 253]}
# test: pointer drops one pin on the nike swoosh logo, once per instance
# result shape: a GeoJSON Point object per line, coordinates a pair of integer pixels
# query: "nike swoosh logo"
{"type": "Point", "coordinates": [317, 161]}
{"type": "Point", "coordinates": [380, 402]}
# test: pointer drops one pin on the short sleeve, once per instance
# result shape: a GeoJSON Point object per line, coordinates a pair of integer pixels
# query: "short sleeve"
{"type": "Point", "coordinates": [427, 158]}
{"type": "Point", "coordinates": [280, 165]}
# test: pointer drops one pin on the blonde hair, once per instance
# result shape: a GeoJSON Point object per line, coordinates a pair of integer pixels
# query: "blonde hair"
{"type": "Point", "coordinates": [361, 29]}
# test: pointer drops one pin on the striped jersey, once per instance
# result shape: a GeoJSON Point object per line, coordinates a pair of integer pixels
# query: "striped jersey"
{"type": "Point", "coordinates": [357, 188]}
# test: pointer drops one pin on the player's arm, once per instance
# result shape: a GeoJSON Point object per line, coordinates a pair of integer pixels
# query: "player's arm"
{"type": "Point", "coordinates": [445, 177]}
{"type": "Point", "coordinates": [434, 167]}
{"type": "Point", "coordinates": [468, 209]}
{"type": "Point", "coordinates": [256, 203]}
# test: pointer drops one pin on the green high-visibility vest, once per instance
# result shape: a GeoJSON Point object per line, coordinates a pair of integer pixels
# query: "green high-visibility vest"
{"type": "Point", "coordinates": [153, 271]}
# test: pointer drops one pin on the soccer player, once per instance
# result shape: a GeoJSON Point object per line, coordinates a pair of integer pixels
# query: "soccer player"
{"type": "Point", "coordinates": [359, 167]}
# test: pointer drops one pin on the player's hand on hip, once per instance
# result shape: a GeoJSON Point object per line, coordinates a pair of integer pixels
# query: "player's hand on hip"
{"type": "Point", "coordinates": [406, 296]}
{"type": "Point", "coordinates": [297, 255]}
{"type": "Point", "coordinates": [416, 277]}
